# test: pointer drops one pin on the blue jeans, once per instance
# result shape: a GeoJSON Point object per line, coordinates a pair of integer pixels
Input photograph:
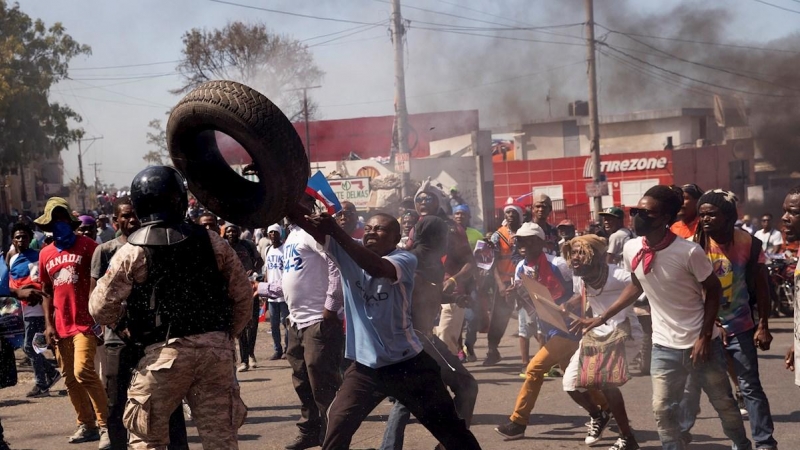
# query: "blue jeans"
{"type": "Point", "coordinates": [43, 372]}
{"type": "Point", "coordinates": [745, 361]}
{"type": "Point", "coordinates": [278, 312]}
{"type": "Point", "coordinates": [472, 317]}
{"type": "Point", "coordinates": [454, 375]}
{"type": "Point", "coordinates": [670, 370]}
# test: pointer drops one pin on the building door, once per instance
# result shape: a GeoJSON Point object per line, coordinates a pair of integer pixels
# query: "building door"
{"type": "Point", "coordinates": [632, 191]}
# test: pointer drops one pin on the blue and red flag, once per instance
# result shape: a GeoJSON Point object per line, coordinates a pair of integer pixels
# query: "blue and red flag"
{"type": "Point", "coordinates": [319, 188]}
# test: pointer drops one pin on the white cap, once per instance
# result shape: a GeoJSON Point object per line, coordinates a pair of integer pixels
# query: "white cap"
{"type": "Point", "coordinates": [274, 227]}
{"type": "Point", "coordinates": [530, 229]}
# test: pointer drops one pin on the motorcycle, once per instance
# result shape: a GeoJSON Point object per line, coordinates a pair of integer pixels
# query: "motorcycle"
{"type": "Point", "coordinates": [781, 277]}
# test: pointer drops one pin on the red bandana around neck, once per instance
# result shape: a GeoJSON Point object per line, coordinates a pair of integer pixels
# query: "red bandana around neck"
{"type": "Point", "coordinates": [647, 253]}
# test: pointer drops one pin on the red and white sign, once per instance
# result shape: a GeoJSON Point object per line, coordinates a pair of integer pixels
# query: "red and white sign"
{"type": "Point", "coordinates": [625, 165]}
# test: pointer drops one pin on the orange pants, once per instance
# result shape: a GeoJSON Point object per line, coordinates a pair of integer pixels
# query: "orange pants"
{"type": "Point", "coordinates": [86, 392]}
{"type": "Point", "coordinates": [557, 350]}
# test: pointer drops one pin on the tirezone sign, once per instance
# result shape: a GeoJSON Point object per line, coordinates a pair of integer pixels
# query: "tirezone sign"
{"type": "Point", "coordinates": [625, 165]}
{"type": "Point", "coordinates": [353, 190]}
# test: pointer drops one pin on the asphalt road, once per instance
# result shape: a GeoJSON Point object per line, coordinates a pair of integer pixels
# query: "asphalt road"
{"type": "Point", "coordinates": [556, 423]}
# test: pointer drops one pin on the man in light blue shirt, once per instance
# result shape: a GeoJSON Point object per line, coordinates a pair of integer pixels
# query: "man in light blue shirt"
{"type": "Point", "coordinates": [378, 280]}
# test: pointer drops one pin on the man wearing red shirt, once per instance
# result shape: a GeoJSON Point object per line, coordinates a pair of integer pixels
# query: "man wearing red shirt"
{"type": "Point", "coordinates": [64, 270]}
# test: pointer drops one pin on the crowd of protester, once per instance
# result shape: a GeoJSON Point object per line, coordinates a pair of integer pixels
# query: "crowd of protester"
{"type": "Point", "coordinates": [392, 306]}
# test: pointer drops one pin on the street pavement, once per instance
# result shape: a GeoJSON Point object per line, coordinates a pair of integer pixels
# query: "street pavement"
{"type": "Point", "coordinates": [556, 423]}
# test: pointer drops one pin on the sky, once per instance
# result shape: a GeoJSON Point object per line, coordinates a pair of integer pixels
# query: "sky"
{"type": "Point", "coordinates": [508, 80]}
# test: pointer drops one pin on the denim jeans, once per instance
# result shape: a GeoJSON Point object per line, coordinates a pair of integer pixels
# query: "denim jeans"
{"type": "Point", "coordinates": [745, 361]}
{"type": "Point", "coordinates": [670, 370]}
{"type": "Point", "coordinates": [454, 375]}
{"type": "Point", "coordinates": [473, 321]}
{"type": "Point", "coordinates": [42, 370]}
{"type": "Point", "coordinates": [278, 312]}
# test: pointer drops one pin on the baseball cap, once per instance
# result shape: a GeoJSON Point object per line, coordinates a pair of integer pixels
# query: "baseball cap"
{"type": "Point", "coordinates": [613, 211]}
{"type": "Point", "coordinates": [87, 221]}
{"type": "Point", "coordinates": [46, 219]}
{"type": "Point", "coordinates": [529, 229]}
{"type": "Point", "coordinates": [566, 223]}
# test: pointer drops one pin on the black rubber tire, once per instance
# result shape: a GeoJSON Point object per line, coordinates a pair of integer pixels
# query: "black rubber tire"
{"type": "Point", "coordinates": [265, 133]}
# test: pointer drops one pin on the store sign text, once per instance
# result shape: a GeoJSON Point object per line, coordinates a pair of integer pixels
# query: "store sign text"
{"type": "Point", "coordinates": [626, 165]}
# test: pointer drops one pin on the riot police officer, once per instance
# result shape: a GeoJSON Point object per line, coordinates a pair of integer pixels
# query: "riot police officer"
{"type": "Point", "coordinates": [184, 295]}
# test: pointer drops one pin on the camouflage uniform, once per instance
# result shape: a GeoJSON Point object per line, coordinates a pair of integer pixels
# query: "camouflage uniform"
{"type": "Point", "coordinates": [197, 367]}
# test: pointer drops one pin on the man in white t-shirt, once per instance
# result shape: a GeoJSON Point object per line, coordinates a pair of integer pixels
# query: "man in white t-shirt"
{"type": "Point", "coordinates": [278, 310]}
{"type": "Point", "coordinates": [791, 225]}
{"type": "Point", "coordinates": [312, 288]}
{"type": "Point", "coordinates": [771, 239]}
{"type": "Point", "coordinates": [675, 273]}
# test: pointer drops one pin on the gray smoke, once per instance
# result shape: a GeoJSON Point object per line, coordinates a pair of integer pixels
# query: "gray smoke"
{"type": "Point", "coordinates": [509, 81]}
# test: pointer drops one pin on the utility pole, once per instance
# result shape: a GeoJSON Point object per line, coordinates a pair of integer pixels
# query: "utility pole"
{"type": "Point", "coordinates": [305, 117]}
{"type": "Point", "coordinates": [82, 187]}
{"type": "Point", "coordinates": [96, 179]}
{"type": "Point", "coordinates": [594, 123]}
{"type": "Point", "coordinates": [400, 109]}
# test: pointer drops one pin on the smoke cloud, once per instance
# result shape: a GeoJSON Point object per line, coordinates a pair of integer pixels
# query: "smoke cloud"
{"type": "Point", "coordinates": [510, 81]}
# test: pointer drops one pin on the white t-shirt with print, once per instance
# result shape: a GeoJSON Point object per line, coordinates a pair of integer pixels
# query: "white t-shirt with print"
{"type": "Point", "coordinates": [305, 276]}
{"type": "Point", "coordinates": [273, 267]}
{"type": "Point", "coordinates": [674, 290]}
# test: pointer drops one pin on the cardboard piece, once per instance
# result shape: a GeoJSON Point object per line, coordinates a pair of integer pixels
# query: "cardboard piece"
{"type": "Point", "coordinates": [543, 302]}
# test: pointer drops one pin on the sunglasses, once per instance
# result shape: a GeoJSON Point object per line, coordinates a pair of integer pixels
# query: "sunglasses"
{"type": "Point", "coordinates": [641, 212]}
{"type": "Point", "coordinates": [424, 200]}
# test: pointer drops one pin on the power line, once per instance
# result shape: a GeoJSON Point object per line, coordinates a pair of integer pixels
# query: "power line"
{"type": "Point", "coordinates": [126, 95]}
{"type": "Point", "coordinates": [484, 12]}
{"type": "Point", "coordinates": [704, 65]}
{"type": "Point", "coordinates": [289, 13]}
{"type": "Point", "coordinates": [125, 66]}
{"type": "Point", "coordinates": [450, 91]}
{"type": "Point", "coordinates": [346, 35]}
{"type": "Point", "coordinates": [717, 44]}
{"type": "Point", "coordinates": [742, 91]}
{"type": "Point", "coordinates": [106, 100]}
{"type": "Point", "coordinates": [510, 38]}
{"type": "Point", "coordinates": [777, 6]}
{"type": "Point", "coordinates": [656, 75]}
{"type": "Point", "coordinates": [132, 77]}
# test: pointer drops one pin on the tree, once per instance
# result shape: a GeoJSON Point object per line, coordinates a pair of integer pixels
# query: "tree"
{"type": "Point", "coordinates": [157, 137]}
{"type": "Point", "coordinates": [32, 59]}
{"type": "Point", "coordinates": [276, 65]}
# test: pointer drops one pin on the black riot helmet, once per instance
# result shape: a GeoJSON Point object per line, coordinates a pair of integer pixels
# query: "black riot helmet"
{"type": "Point", "coordinates": [159, 195]}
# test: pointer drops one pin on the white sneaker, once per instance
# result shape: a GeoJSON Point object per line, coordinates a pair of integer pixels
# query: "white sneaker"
{"type": "Point", "coordinates": [253, 362]}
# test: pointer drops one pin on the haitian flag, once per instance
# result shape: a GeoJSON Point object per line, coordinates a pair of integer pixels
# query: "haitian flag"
{"type": "Point", "coordinates": [319, 188]}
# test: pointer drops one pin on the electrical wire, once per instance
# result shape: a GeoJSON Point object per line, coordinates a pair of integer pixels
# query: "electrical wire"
{"type": "Point", "coordinates": [716, 44]}
{"type": "Point", "coordinates": [450, 91]}
{"type": "Point", "coordinates": [126, 95]}
{"type": "Point", "coordinates": [510, 38]}
{"type": "Point", "coordinates": [777, 6]}
{"type": "Point", "coordinates": [741, 91]}
{"type": "Point", "coordinates": [704, 65]}
{"type": "Point", "coordinates": [289, 13]}
{"type": "Point", "coordinates": [347, 35]}
{"type": "Point", "coordinates": [132, 77]}
{"type": "Point", "coordinates": [125, 66]}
